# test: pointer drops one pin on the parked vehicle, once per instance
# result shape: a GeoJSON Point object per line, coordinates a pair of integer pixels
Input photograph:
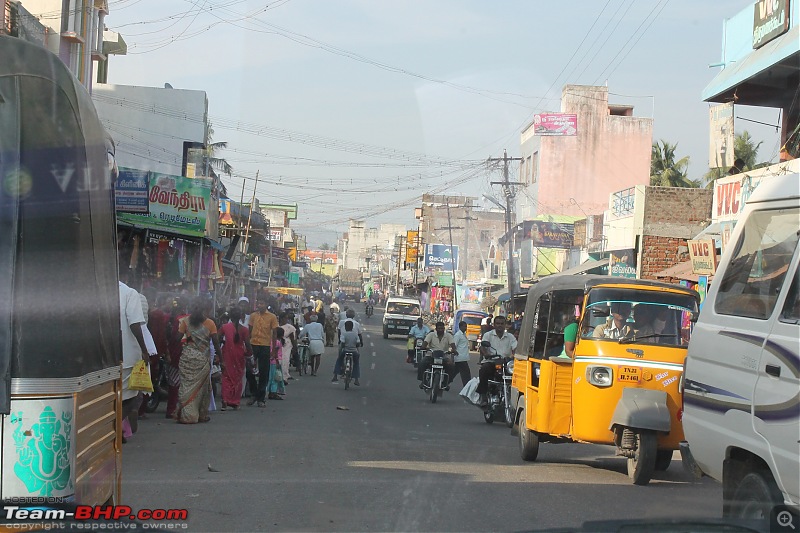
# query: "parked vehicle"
{"type": "Point", "coordinates": [742, 375]}
{"type": "Point", "coordinates": [400, 315]}
{"type": "Point", "coordinates": [499, 392]}
{"type": "Point", "coordinates": [60, 396]}
{"type": "Point", "coordinates": [435, 380]}
{"type": "Point", "coordinates": [160, 388]}
{"type": "Point", "coordinates": [621, 386]}
{"type": "Point", "coordinates": [473, 318]}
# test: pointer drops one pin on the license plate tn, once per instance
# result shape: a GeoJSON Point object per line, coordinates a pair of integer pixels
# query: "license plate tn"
{"type": "Point", "coordinates": [629, 374]}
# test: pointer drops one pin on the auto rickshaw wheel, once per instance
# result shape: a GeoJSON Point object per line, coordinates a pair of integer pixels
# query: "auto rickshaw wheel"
{"type": "Point", "coordinates": [663, 459]}
{"type": "Point", "coordinates": [488, 416]}
{"type": "Point", "coordinates": [642, 465]}
{"type": "Point", "coordinates": [528, 440]}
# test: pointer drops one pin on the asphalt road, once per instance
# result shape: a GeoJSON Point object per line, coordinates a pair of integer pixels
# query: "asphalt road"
{"type": "Point", "coordinates": [390, 462]}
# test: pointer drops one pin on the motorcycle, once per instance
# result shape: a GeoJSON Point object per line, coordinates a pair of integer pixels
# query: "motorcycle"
{"type": "Point", "coordinates": [419, 353]}
{"type": "Point", "coordinates": [160, 388]}
{"type": "Point", "coordinates": [499, 391]}
{"type": "Point", "coordinates": [435, 380]}
{"type": "Point", "coordinates": [369, 310]}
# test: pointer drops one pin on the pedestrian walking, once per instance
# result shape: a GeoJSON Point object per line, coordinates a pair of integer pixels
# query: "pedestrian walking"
{"type": "Point", "coordinates": [131, 320]}
{"type": "Point", "coordinates": [290, 348]}
{"type": "Point", "coordinates": [175, 347]}
{"type": "Point", "coordinates": [236, 349]}
{"type": "Point", "coordinates": [461, 358]}
{"type": "Point", "coordinates": [276, 384]}
{"type": "Point", "coordinates": [194, 394]}
{"type": "Point", "coordinates": [263, 325]}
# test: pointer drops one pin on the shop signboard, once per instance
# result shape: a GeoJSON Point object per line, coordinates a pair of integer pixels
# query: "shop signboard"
{"type": "Point", "coordinates": [770, 19]}
{"type": "Point", "coordinates": [720, 145]}
{"type": "Point", "coordinates": [549, 234]}
{"type": "Point", "coordinates": [555, 124]}
{"type": "Point", "coordinates": [441, 256]}
{"type": "Point", "coordinates": [178, 205]}
{"type": "Point", "coordinates": [731, 194]}
{"type": "Point", "coordinates": [131, 191]}
{"type": "Point", "coordinates": [622, 263]}
{"type": "Point", "coordinates": [411, 246]}
{"type": "Point", "coordinates": [276, 234]}
{"type": "Point", "coordinates": [703, 255]}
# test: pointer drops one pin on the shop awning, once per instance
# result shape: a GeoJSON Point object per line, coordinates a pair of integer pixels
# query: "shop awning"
{"type": "Point", "coordinates": [761, 78]}
{"type": "Point", "coordinates": [680, 271]}
{"type": "Point", "coordinates": [585, 267]}
{"type": "Point", "coordinates": [294, 291]}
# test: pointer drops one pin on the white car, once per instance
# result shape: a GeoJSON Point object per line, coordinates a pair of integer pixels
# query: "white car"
{"type": "Point", "coordinates": [400, 315]}
{"type": "Point", "coordinates": [742, 372]}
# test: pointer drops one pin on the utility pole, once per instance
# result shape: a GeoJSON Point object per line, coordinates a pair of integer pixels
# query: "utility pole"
{"type": "Point", "coordinates": [249, 219]}
{"type": "Point", "coordinates": [465, 261]}
{"type": "Point", "coordinates": [450, 229]}
{"type": "Point", "coordinates": [510, 194]}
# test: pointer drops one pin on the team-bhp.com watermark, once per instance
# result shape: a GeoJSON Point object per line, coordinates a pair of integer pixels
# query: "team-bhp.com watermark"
{"type": "Point", "coordinates": [54, 515]}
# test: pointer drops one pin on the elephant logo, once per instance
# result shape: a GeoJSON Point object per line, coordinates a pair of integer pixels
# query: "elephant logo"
{"type": "Point", "coordinates": [43, 452]}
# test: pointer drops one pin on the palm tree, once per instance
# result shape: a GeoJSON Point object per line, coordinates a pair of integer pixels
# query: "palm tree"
{"type": "Point", "coordinates": [325, 246]}
{"type": "Point", "coordinates": [209, 154]}
{"type": "Point", "coordinates": [665, 171]}
{"type": "Point", "coordinates": [744, 148]}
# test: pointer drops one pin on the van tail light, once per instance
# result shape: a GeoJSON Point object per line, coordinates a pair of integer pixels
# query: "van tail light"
{"type": "Point", "coordinates": [681, 384]}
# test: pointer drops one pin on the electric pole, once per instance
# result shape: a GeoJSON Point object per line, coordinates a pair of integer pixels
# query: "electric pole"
{"type": "Point", "coordinates": [510, 194]}
{"type": "Point", "coordinates": [450, 229]}
{"type": "Point", "coordinates": [465, 262]}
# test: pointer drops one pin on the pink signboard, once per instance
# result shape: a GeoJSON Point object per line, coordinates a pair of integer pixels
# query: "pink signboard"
{"type": "Point", "coordinates": [558, 124]}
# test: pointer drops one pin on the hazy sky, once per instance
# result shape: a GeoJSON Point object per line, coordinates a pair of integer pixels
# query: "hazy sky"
{"type": "Point", "coordinates": [354, 107]}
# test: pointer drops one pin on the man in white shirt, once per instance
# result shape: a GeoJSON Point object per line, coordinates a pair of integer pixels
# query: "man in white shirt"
{"type": "Point", "coordinates": [502, 345]}
{"type": "Point", "coordinates": [618, 327]}
{"type": "Point", "coordinates": [437, 340]}
{"type": "Point", "coordinates": [461, 358]}
{"type": "Point", "coordinates": [131, 319]}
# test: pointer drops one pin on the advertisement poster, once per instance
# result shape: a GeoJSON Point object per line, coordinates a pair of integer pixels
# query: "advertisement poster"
{"type": "Point", "coordinates": [441, 256]}
{"type": "Point", "coordinates": [555, 124]}
{"type": "Point", "coordinates": [770, 19]}
{"type": "Point", "coordinates": [131, 191]}
{"type": "Point", "coordinates": [720, 144]}
{"type": "Point", "coordinates": [177, 204]}
{"type": "Point", "coordinates": [622, 263]}
{"type": "Point", "coordinates": [549, 234]}
{"type": "Point", "coordinates": [702, 288]}
{"type": "Point", "coordinates": [703, 255]}
{"type": "Point", "coordinates": [731, 195]}
{"type": "Point", "coordinates": [411, 246]}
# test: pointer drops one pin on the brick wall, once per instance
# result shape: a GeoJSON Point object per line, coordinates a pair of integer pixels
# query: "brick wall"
{"type": "Point", "coordinates": [676, 211]}
{"type": "Point", "coordinates": [659, 253]}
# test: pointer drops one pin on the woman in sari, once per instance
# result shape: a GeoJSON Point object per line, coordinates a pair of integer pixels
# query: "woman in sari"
{"type": "Point", "coordinates": [175, 346]}
{"type": "Point", "coordinates": [194, 394]}
{"type": "Point", "coordinates": [235, 348]}
{"type": "Point", "coordinates": [276, 386]}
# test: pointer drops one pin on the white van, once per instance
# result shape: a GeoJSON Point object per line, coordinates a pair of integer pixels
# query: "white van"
{"type": "Point", "coordinates": [400, 315]}
{"type": "Point", "coordinates": [741, 382]}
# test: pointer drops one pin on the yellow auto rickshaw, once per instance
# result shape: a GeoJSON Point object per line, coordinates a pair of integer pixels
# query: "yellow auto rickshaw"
{"type": "Point", "coordinates": [617, 384]}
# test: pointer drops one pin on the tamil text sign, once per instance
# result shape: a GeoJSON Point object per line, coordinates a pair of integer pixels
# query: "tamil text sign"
{"type": "Point", "coordinates": [720, 145]}
{"type": "Point", "coordinates": [556, 124]}
{"type": "Point", "coordinates": [622, 263]}
{"type": "Point", "coordinates": [177, 204]}
{"type": "Point", "coordinates": [703, 255]}
{"type": "Point", "coordinates": [131, 191]}
{"type": "Point", "coordinates": [770, 19]}
{"type": "Point", "coordinates": [549, 234]}
{"type": "Point", "coordinates": [441, 256]}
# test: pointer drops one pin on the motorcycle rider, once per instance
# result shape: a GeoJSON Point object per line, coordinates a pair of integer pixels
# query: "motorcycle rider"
{"type": "Point", "coordinates": [437, 340]}
{"type": "Point", "coordinates": [502, 344]}
{"type": "Point", "coordinates": [418, 331]}
{"type": "Point", "coordinates": [349, 341]}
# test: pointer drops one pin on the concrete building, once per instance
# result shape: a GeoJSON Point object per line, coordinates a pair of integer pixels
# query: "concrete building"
{"type": "Point", "coordinates": [572, 172]}
{"type": "Point", "coordinates": [156, 129]}
{"type": "Point", "coordinates": [74, 30]}
{"type": "Point", "coordinates": [476, 233]}
{"type": "Point", "coordinates": [361, 243]}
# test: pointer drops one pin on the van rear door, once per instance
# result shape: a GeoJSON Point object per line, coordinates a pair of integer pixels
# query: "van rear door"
{"type": "Point", "coordinates": [776, 405]}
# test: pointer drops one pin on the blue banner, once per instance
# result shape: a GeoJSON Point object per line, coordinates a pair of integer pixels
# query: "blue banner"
{"type": "Point", "coordinates": [132, 191]}
{"type": "Point", "coordinates": [441, 256]}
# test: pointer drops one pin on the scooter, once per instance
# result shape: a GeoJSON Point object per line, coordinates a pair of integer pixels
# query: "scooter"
{"type": "Point", "coordinates": [435, 380]}
{"type": "Point", "coordinates": [369, 310]}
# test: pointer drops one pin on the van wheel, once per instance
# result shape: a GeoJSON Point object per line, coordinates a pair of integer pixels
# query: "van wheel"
{"type": "Point", "coordinates": [755, 496]}
{"type": "Point", "coordinates": [643, 463]}
{"type": "Point", "coordinates": [528, 440]}
{"type": "Point", "coordinates": [663, 459]}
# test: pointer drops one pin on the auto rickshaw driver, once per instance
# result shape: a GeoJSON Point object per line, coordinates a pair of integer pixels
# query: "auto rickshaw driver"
{"type": "Point", "coordinates": [617, 327]}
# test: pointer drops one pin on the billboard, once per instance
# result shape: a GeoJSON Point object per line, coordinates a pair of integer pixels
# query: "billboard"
{"type": "Point", "coordinates": [770, 19]}
{"type": "Point", "coordinates": [555, 124]}
{"type": "Point", "coordinates": [177, 204]}
{"type": "Point", "coordinates": [412, 238]}
{"type": "Point", "coordinates": [132, 191]}
{"type": "Point", "coordinates": [548, 234]}
{"type": "Point", "coordinates": [731, 195]}
{"type": "Point", "coordinates": [703, 255]}
{"type": "Point", "coordinates": [441, 256]}
{"type": "Point", "coordinates": [622, 263]}
{"type": "Point", "coordinates": [721, 136]}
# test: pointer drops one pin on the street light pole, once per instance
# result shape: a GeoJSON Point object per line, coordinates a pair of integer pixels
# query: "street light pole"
{"type": "Point", "coordinates": [510, 194]}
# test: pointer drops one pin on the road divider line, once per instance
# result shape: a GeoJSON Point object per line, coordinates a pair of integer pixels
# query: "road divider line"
{"type": "Point", "coordinates": [372, 366]}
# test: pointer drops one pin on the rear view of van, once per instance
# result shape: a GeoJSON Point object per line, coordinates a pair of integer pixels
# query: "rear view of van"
{"type": "Point", "coordinates": [741, 383]}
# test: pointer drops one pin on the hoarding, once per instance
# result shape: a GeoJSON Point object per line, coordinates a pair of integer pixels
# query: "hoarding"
{"type": "Point", "coordinates": [441, 256]}
{"type": "Point", "coordinates": [731, 195]}
{"type": "Point", "coordinates": [770, 19]}
{"type": "Point", "coordinates": [555, 124]}
{"type": "Point", "coordinates": [703, 255]}
{"type": "Point", "coordinates": [549, 234]}
{"type": "Point", "coordinates": [132, 191]}
{"type": "Point", "coordinates": [412, 238]}
{"type": "Point", "coordinates": [178, 205]}
{"type": "Point", "coordinates": [721, 136]}
{"type": "Point", "coordinates": [622, 263]}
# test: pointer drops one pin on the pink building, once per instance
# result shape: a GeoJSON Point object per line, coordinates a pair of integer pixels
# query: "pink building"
{"type": "Point", "coordinates": [571, 164]}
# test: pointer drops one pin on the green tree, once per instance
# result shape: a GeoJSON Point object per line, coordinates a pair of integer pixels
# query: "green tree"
{"type": "Point", "coordinates": [325, 246]}
{"type": "Point", "coordinates": [211, 151]}
{"type": "Point", "coordinates": [665, 171]}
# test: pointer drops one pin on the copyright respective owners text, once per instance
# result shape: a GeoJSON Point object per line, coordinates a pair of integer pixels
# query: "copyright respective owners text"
{"type": "Point", "coordinates": [56, 514]}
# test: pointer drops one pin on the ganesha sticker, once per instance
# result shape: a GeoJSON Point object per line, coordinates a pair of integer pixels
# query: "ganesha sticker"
{"type": "Point", "coordinates": [43, 452]}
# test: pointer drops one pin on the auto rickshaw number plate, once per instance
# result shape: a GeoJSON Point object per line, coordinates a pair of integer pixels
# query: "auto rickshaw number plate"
{"type": "Point", "coordinates": [629, 374]}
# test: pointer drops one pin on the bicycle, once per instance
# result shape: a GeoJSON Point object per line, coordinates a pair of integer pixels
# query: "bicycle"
{"type": "Point", "coordinates": [302, 357]}
{"type": "Point", "coordinates": [348, 368]}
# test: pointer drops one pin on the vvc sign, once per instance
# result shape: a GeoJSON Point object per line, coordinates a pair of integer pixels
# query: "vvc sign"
{"type": "Point", "coordinates": [441, 256]}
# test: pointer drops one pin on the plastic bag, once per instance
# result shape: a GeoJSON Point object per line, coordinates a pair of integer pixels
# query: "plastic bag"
{"type": "Point", "coordinates": [470, 392]}
{"type": "Point", "coordinates": [278, 376]}
{"type": "Point", "coordinates": [140, 377]}
{"type": "Point", "coordinates": [410, 344]}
